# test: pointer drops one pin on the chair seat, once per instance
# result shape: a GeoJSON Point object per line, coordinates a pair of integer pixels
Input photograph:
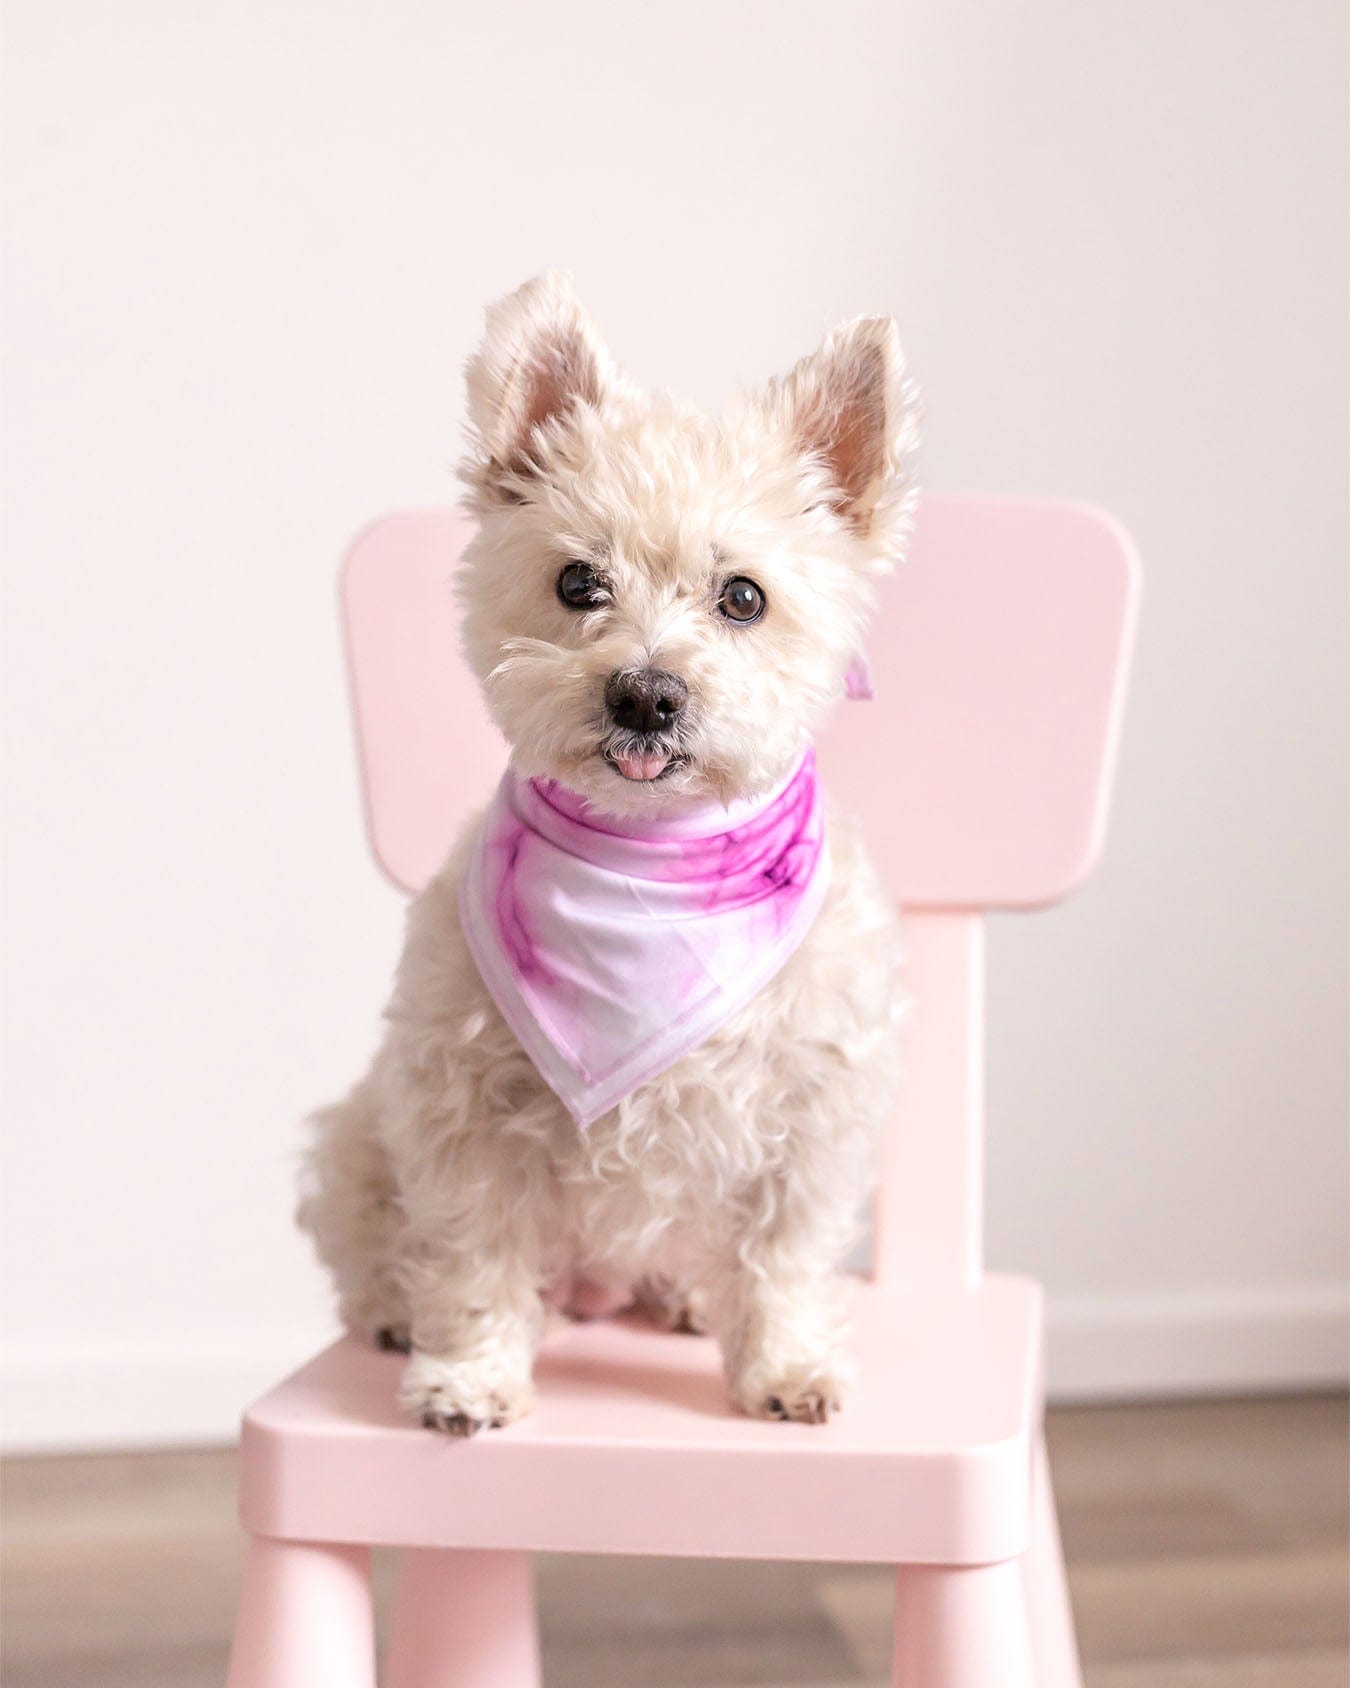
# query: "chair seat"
{"type": "Point", "coordinates": [635, 1449]}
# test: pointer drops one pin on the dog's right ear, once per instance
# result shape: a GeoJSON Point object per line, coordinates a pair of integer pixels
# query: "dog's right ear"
{"type": "Point", "coordinates": [540, 361]}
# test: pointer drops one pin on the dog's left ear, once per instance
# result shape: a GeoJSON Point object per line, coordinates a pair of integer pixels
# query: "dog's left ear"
{"type": "Point", "coordinates": [540, 361]}
{"type": "Point", "coordinates": [853, 412]}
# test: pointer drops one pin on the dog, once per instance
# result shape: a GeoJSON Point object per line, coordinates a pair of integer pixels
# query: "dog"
{"type": "Point", "coordinates": [661, 609]}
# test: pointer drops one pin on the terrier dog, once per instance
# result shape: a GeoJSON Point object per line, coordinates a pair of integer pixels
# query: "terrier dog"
{"type": "Point", "coordinates": [644, 1032]}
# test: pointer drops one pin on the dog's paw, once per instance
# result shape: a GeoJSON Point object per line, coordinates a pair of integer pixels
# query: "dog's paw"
{"type": "Point", "coordinates": [689, 1314]}
{"type": "Point", "coordinates": [462, 1397]}
{"type": "Point", "coordinates": [804, 1395]}
{"type": "Point", "coordinates": [671, 1308]}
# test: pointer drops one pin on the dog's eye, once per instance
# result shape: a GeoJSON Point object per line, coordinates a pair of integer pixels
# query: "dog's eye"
{"type": "Point", "coordinates": [741, 600]}
{"type": "Point", "coordinates": [580, 587]}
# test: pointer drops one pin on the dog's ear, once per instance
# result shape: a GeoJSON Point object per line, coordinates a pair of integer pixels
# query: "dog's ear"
{"type": "Point", "coordinates": [541, 359]}
{"type": "Point", "coordinates": [853, 412]}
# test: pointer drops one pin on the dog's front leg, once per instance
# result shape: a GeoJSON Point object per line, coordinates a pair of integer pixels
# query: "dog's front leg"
{"type": "Point", "coordinates": [783, 1344]}
{"type": "Point", "coordinates": [474, 1332]}
{"type": "Point", "coordinates": [779, 1305]}
{"type": "Point", "coordinates": [472, 1273]}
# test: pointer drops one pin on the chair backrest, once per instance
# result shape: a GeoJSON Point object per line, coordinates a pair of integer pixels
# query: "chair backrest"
{"type": "Point", "coordinates": [999, 655]}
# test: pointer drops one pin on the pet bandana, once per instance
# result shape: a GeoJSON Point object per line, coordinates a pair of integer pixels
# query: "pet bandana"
{"type": "Point", "coordinates": [613, 946]}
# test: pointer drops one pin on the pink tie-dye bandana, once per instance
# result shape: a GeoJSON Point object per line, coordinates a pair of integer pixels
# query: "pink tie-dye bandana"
{"type": "Point", "coordinates": [614, 946]}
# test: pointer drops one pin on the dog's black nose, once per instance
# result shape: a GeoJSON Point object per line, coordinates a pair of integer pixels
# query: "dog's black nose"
{"type": "Point", "coordinates": [645, 700]}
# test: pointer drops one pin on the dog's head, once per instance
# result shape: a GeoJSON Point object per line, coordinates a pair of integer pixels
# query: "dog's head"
{"type": "Point", "coordinates": [660, 605]}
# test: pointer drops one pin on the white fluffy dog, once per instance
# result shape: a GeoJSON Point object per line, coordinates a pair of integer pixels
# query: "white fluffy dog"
{"type": "Point", "coordinates": [621, 534]}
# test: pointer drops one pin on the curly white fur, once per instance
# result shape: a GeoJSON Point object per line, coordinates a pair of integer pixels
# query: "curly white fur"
{"type": "Point", "coordinates": [450, 1193]}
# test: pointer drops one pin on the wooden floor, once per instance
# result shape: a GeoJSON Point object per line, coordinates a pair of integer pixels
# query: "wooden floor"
{"type": "Point", "coordinates": [1207, 1546]}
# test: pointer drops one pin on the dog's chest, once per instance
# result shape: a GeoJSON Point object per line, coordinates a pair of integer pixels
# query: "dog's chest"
{"type": "Point", "coordinates": [692, 1150]}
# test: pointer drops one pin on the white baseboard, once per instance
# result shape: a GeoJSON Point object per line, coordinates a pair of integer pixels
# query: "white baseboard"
{"type": "Point", "coordinates": [146, 1390]}
{"type": "Point", "coordinates": [1198, 1342]}
{"type": "Point", "coordinates": [166, 1390]}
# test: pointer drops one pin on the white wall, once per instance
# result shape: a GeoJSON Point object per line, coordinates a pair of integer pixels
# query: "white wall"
{"type": "Point", "coordinates": [249, 246]}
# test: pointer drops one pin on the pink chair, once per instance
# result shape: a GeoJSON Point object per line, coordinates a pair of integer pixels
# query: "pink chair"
{"type": "Point", "coordinates": [1000, 656]}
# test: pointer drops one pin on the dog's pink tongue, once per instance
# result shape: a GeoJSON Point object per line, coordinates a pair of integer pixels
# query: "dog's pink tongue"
{"type": "Point", "coordinates": [640, 767]}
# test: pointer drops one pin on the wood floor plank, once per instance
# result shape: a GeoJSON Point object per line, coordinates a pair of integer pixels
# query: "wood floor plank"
{"type": "Point", "coordinates": [1216, 1606]}
{"type": "Point", "coordinates": [1284, 1670]}
{"type": "Point", "coordinates": [683, 1623]}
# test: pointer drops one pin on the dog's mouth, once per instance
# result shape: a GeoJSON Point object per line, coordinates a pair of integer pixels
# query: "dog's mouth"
{"type": "Point", "coordinates": [643, 760]}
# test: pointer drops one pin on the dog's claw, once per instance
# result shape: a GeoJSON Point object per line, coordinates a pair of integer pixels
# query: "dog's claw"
{"type": "Point", "coordinates": [811, 1406]}
{"type": "Point", "coordinates": [451, 1424]}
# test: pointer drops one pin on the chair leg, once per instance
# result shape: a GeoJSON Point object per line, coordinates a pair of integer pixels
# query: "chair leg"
{"type": "Point", "coordinates": [305, 1618]}
{"type": "Point", "coordinates": [961, 1627]}
{"type": "Point", "coordinates": [463, 1619]}
{"type": "Point", "coordinates": [1053, 1643]}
